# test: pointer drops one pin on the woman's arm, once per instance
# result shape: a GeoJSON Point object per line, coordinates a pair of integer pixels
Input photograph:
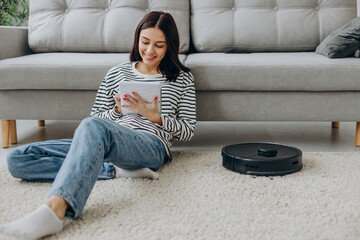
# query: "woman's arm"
{"type": "Point", "coordinates": [182, 126]}
{"type": "Point", "coordinates": [105, 105]}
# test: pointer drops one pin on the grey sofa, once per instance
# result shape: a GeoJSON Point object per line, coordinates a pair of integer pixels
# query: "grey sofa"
{"type": "Point", "coordinates": [253, 60]}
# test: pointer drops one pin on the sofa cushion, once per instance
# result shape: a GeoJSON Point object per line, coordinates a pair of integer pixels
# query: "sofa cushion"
{"type": "Point", "coordinates": [97, 25]}
{"type": "Point", "coordinates": [301, 71]}
{"type": "Point", "coordinates": [266, 25]}
{"type": "Point", "coordinates": [343, 42]}
{"type": "Point", "coordinates": [59, 71]}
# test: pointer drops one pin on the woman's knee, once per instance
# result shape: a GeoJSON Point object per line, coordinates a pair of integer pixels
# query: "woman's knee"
{"type": "Point", "coordinates": [14, 162]}
{"type": "Point", "coordinates": [91, 128]}
{"type": "Point", "coordinates": [91, 123]}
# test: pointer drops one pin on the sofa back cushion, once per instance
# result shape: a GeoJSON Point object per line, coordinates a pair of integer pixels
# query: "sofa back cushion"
{"type": "Point", "coordinates": [97, 25]}
{"type": "Point", "coordinates": [266, 25]}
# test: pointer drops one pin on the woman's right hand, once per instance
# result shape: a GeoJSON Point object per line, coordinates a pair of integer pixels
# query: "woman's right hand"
{"type": "Point", "coordinates": [118, 103]}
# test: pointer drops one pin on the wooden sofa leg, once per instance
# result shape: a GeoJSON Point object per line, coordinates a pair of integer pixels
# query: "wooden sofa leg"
{"type": "Point", "coordinates": [13, 133]}
{"type": "Point", "coordinates": [41, 123]}
{"type": "Point", "coordinates": [335, 124]}
{"type": "Point", "coordinates": [5, 127]}
{"type": "Point", "coordinates": [357, 134]}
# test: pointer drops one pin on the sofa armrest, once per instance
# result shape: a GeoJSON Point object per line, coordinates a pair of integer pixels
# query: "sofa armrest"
{"type": "Point", "coordinates": [13, 42]}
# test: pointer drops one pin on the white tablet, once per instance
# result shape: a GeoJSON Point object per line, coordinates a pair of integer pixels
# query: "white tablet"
{"type": "Point", "coordinates": [147, 91]}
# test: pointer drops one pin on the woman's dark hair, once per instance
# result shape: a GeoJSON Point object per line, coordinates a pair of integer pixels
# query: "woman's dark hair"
{"type": "Point", "coordinates": [170, 65]}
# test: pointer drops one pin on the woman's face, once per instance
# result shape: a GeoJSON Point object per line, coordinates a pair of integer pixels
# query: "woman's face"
{"type": "Point", "coordinates": [152, 46]}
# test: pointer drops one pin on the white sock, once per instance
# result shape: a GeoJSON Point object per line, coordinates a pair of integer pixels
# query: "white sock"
{"type": "Point", "coordinates": [39, 223]}
{"type": "Point", "coordinates": [142, 172]}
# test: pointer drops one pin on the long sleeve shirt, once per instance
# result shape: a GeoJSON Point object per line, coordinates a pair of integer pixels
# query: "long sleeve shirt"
{"type": "Point", "coordinates": [178, 104]}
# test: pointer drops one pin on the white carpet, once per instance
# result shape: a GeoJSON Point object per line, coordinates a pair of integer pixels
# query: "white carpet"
{"type": "Point", "coordinates": [196, 198]}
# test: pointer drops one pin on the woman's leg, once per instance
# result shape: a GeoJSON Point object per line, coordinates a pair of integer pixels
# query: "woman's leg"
{"type": "Point", "coordinates": [95, 140]}
{"type": "Point", "coordinates": [41, 161]}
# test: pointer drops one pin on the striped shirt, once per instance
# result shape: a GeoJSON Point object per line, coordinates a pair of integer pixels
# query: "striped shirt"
{"type": "Point", "coordinates": [178, 104]}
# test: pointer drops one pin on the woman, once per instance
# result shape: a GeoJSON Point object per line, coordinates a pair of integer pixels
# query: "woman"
{"type": "Point", "coordinates": [109, 144]}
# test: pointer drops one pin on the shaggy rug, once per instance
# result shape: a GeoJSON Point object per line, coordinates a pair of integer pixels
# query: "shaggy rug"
{"type": "Point", "coordinates": [196, 198]}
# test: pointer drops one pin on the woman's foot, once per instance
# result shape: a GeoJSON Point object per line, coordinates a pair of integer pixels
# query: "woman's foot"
{"type": "Point", "coordinates": [142, 172]}
{"type": "Point", "coordinates": [39, 223]}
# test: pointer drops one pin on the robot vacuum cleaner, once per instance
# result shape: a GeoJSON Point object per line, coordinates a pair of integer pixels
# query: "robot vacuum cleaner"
{"type": "Point", "coordinates": [263, 159]}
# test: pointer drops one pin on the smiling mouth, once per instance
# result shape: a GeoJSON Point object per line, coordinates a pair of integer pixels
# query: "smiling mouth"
{"type": "Point", "coordinates": [149, 57]}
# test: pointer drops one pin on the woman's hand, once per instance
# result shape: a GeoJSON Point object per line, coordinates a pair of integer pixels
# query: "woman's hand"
{"type": "Point", "coordinates": [118, 103]}
{"type": "Point", "coordinates": [146, 109]}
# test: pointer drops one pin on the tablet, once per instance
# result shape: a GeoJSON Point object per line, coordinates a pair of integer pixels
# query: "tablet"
{"type": "Point", "coordinates": [147, 91]}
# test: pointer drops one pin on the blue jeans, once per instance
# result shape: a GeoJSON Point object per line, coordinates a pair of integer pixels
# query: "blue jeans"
{"type": "Point", "coordinates": [76, 164]}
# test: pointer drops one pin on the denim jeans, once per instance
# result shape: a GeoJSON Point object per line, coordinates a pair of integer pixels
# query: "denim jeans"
{"type": "Point", "coordinates": [76, 164]}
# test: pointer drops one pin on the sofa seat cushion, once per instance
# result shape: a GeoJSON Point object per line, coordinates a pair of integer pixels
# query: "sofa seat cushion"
{"type": "Point", "coordinates": [294, 71]}
{"type": "Point", "coordinates": [59, 71]}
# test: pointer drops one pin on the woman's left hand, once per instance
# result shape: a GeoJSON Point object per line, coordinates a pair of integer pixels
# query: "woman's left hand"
{"type": "Point", "coordinates": [146, 109]}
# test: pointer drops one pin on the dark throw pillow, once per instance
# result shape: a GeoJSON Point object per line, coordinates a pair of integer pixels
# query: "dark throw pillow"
{"type": "Point", "coordinates": [343, 42]}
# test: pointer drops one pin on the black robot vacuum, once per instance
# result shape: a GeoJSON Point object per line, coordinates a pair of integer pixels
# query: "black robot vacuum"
{"type": "Point", "coordinates": [263, 159]}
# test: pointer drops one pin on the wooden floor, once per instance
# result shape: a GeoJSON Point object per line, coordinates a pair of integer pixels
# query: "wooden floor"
{"type": "Point", "coordinates": [212, 136]}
